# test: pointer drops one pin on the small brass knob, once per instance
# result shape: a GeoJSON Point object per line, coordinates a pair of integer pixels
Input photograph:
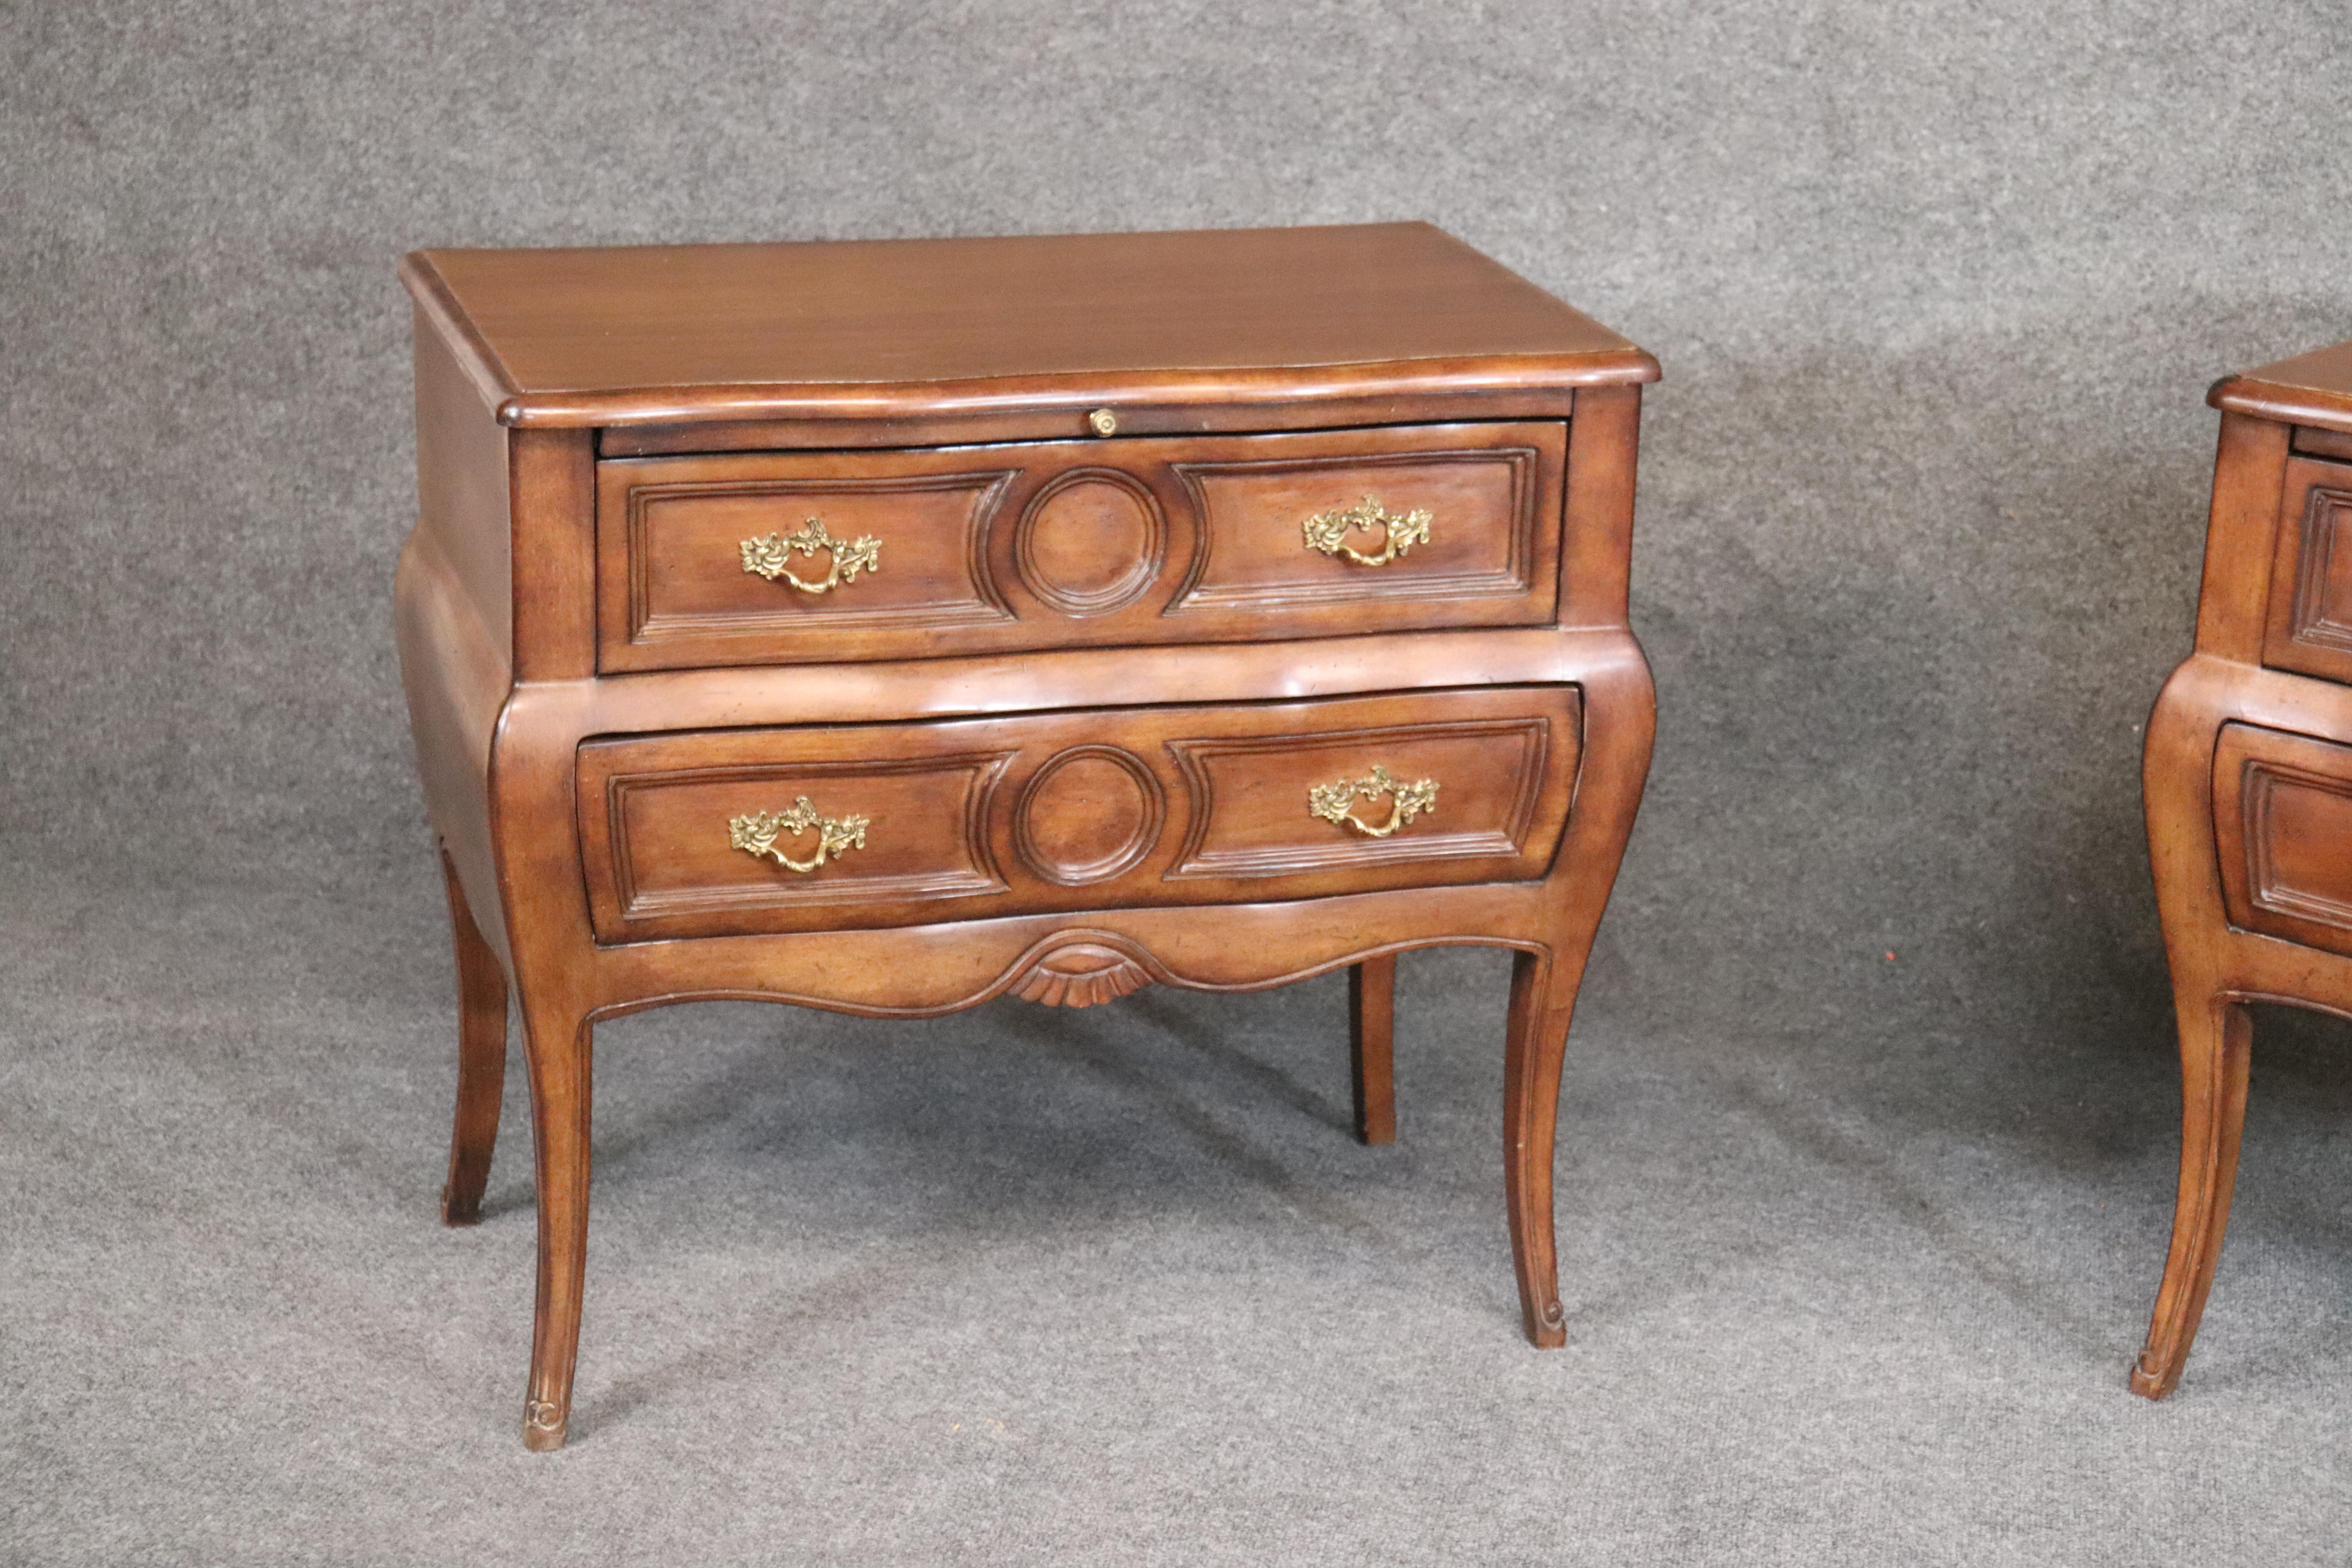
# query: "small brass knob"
{"type": "Point", "coordinates": [1103, 422]}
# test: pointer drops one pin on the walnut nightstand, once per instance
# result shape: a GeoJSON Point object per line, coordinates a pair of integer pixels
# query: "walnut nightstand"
{"type": "Point", "coordinates": [2248, 777]}
{"type": "Point", "coordinates": [889, 626]}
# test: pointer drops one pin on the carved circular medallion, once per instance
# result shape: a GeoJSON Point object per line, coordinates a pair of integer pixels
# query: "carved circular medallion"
{"type": "Point", "coordinates": [1088, 814]}
{"type": "Point", "coordinates": [1090, 542]}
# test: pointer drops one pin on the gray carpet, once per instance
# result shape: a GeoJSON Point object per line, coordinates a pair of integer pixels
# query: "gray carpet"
{"type": "Point", "coordinates": [1115, 1284]}
{"type": "Point", "coordinates": [1856, 1248]}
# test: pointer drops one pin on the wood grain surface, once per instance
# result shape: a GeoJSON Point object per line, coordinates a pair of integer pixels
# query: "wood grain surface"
{"type": "Point", "coordinates": [654, 334]}
{"type": "Point", "coordinates": [2313, 388]}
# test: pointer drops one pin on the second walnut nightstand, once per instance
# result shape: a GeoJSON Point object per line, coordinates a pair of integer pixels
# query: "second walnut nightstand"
{"type": "Point", "coordinates": [2248, 777]}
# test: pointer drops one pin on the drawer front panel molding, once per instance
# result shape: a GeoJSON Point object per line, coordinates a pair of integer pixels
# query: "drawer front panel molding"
{"type": "Point", "coordinates": [2282, 813]}
{"type": "Point", "coordinates": [1424, 528]}
{"type": "Point", "coordinates": [692, 560]}
{"type": "Point", "coordinates": [1070, 811]}
{"type": "Point", "coordinates": [763, 558]}
{"type": "Point", "coordinates": [1261, 816]}
{"type": "Point", "coordinates": [2310, 623]}
{"type": "Point", "coordinates": [674, 853]}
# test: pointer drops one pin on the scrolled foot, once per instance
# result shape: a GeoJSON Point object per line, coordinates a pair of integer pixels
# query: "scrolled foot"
{"type": "Point", "coordinates": [2152, 1382]}
{"type": "Point", "coordinates": [1547, 1326]}
{"type": "Point", "coordinates": [543, 1427]}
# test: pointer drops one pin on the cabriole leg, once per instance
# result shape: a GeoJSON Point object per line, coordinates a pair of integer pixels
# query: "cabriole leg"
{"type": "Point", "coordinates": [481, 1060]}
{"type": "Point", "coordinates": [2216, 1040]}
{"type": "Point", "coordinates": [559, 1046]}
{"type": "Point", "coordinates": [1372, 1024]}
{"type": "Point", "coordinates": [1541, 1003]}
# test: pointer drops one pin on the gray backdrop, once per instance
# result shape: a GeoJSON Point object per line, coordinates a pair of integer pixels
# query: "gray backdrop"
{"type": "Point", "coordinates": [1869, 1127]}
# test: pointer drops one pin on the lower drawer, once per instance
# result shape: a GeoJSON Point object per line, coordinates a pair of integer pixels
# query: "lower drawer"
{"type": "Point", "coordinates": [741, 831]}
{"type": "Point", "coordinates": [2282, 813]}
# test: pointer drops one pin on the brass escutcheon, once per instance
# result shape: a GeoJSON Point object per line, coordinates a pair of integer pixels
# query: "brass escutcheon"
{"type": "Point", "coordinates": [757, 834]}
{"type": "Point", "coordinates": [767, 557]}
{"type": "Point", "coordinates": [1335, 802]}
{"type": "Point", "coordinates": [1327, 531]}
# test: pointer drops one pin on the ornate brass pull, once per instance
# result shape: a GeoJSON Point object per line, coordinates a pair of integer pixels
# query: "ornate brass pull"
{"type": "Point", "coordinates": [1327, 531]}
{"type": "Point", "coordinates": [1335, 802]}
{"type": "Point", "coordinates": [770, 557]}
{"type": "Point", "coordinates": [757, 834]}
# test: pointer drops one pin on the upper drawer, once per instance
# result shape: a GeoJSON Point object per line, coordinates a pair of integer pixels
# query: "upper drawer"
{"type": "Point", "coordinates": [787, 558]}
{"type": "Point", "coordinates": [2310, 620]}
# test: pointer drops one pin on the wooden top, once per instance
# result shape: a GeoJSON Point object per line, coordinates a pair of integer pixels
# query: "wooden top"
{"type": "Point", "coordinates": [2314, 388]}
{"type": "Point", "coordinates": [670, 333]}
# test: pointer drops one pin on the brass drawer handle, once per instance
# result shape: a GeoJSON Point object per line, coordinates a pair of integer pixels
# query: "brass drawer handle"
{"type": "Point", "coordinates": [770, 557]}
{"type": "Point", "coordinates": [1335, 802]}
{"type": "Point", "coordinates": [1327, 531]}
{"type": "Point", "coordinates": [757, 834]}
